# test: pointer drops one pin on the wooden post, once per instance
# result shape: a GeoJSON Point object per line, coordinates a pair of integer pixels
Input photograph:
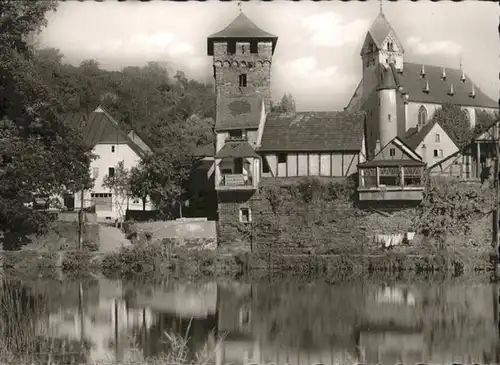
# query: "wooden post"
{"type": "Point", "coordinates": [402, 176]}
{"type": "Point", "coordinates": [497, 198]}
{"type": "Point", "coordinates": [80, 222]}
{"type": "Point", "coordinates": [378, 176]}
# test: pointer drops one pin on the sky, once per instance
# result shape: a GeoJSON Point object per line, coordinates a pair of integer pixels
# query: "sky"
{"type": "Point", "coordinates": [317, 58]}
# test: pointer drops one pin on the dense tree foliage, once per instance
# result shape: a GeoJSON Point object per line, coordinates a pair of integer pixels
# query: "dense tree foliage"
{"type": "Point", "coordinates": [170, 113]}
{"type": "Point", "coordinates": [40, 154]}
{"type": "Point", "coordinates": [285, 105]}
{"type": "Point", "coordinates": [455, 121]}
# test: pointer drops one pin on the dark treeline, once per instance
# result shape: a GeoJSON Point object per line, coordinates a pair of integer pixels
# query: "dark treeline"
{"type": "Point", "coordinates": [41, 154]}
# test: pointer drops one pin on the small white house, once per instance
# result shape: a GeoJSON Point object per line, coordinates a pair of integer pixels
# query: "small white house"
{"type": "Point", "coordinates": [112, 145]}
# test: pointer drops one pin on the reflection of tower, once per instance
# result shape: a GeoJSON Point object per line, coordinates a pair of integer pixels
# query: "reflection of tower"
{"type": "Point", "coordinates": [236, 342]}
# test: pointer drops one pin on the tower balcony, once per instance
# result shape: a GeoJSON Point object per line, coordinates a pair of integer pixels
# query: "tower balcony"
{"type": "Point", "coordinates": [237, 167]}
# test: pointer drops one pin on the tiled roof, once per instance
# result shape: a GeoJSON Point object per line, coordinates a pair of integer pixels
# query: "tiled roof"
{"type": "Point", "coordinates": [313, 131]}
{"type": "Point", "coordinates": [380, 29]}
{"type": "Point", "coordinates": [239, 112]}
{"type": "Point", "coordinates": [414, 85]}
{"type": "Point", "coordinates": [242, 27]}
{"type": "Point", "coordinates": [101, 127]}
{"type": "Point", "coordinates": [414, 137]}
{"type": "Point", "coordinates": [236, 148]}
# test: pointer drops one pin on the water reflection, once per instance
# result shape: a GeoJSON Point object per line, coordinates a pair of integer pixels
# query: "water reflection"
{"type": "Point", "coordinates": [264, 322]}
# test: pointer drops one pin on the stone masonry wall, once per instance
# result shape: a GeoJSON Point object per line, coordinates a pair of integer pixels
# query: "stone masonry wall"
{"type": "Point", "coordinates": [257, 67]}
{"type": "Point", "coordinates": [320, 226]}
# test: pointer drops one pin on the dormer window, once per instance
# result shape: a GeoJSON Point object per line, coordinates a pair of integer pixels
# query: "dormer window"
{"type": "Point", "coordinates": [390, 46]}
{"type": "Point", "coordinates": [243, 80]}
{"type": "Point", "coordinates": [236, 133]}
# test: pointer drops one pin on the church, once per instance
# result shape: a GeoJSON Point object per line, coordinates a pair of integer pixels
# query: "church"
{"type": "Point", "coordinates": [383, 136]}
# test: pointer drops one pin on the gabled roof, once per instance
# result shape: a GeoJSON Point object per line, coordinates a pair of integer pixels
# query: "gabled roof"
{"type": "Point", "coordinates": [380, 29]}
{"type": "Point", "coordinates": [236, 148]}
{"type": "Point", "coordinates": [465, 146]}
{"type": "Point", "coordinates": [413, 84]}
{"type": "Point", "coordinates": [239, 112]}
{"type": "Point", "coordinates": [406, 156]}
{"type": "Point", "coordinates": [101, 127]}
{"type": "Point", "coordinates": [414, 136]}
{"type": "Point", "coordinates": [313, 131]}
{"type": "Point", "coordinates": [241, 28]}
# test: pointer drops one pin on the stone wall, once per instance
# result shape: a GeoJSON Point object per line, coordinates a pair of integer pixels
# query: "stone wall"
{"type": "Point", "coordinates": [257, 67]}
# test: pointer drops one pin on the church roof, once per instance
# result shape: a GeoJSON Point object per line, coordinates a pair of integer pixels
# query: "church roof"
{"type": "Point", "coordinates": [240, 28]}
{"type": "Point", "coordinates": [313, 131]}
{"type": "Point", "coordinates": [413, 84]}
{"type": "Point", "coordinates": [239, 112]}
{"type": "Point", "coordinates": [236, 148]}
{"type": "Point", "coordinates": [380, 29]}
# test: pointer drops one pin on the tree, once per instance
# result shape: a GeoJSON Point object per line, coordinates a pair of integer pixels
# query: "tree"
{"type": "Point", "coordinates": [286, 104]}
{"type": "Point", "coordinates": [163, 177]}
{"type": "Point", "coordinates": [140, 183]}
{"type": "Point", "coordinates": [455, 122]}
{"type": "Point", "coordinates": [41, 155]}
{"type": "Point", "coordinates": [119, 184]}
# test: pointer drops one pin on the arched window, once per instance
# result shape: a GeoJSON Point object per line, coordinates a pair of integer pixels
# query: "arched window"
{"type": "Point", "coordinates": [422, 116]}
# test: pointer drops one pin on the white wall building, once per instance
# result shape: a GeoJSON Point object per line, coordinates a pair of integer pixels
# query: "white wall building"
{"type": "Point", "coordinates": [112, 146]}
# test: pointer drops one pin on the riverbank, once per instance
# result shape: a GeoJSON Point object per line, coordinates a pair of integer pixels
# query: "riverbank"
{"type": "Point", "coordinates": [157, 259]}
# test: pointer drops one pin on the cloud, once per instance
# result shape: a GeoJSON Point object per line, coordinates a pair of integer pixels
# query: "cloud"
{"type": "Point", "coordinates": [443, 47]}
{"type": "Point", "coordinates": [330, 30]}
{"type": "Point", "coordinates": [304, 73]}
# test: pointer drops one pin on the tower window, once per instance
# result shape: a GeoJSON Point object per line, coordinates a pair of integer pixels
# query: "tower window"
{"type": "Point", "coordinates": [389, 118]}
{"type": "Point", "coordinates": [113, 149]}
{"type": "Point", "coordinates": [245, 215]}
{"type": "Point", "coordinates": [243, 80]}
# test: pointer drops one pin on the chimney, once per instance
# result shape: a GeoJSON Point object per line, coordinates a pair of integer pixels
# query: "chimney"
{"type": "Point", "coordinates": [462, 78]}
{"type": "Point", "coordinates": [422, 73]}
{"type": "Point", "coordinates": [473, 92]}
{"type": "Point", "coordinates": [451, 92]}
{"type": "Point", "coordinates": [426, 89]}
{"type": "Point", "coordinates": [443, 75]}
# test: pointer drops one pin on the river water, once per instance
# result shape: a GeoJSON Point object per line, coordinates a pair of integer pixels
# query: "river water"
{"type": "Point", "coordinates": [279, 321]}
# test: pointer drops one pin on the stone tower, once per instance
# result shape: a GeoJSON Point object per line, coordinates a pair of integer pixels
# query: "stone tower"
{"type": "Point", "coordinates": [387, 110]}
{"type": "Point", "coordinates": [242, 56]}
{"type": "Point", "coordinates": [380, 48]}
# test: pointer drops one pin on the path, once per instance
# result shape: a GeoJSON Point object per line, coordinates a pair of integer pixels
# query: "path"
{"type": "Point", "coordinates": [111, 238]}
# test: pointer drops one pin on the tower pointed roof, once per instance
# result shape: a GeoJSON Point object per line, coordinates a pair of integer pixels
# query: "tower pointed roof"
{"type": "Point", "coordinates": [380, 29]}
{"type": "Point", "coordinates": [241, 28]}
